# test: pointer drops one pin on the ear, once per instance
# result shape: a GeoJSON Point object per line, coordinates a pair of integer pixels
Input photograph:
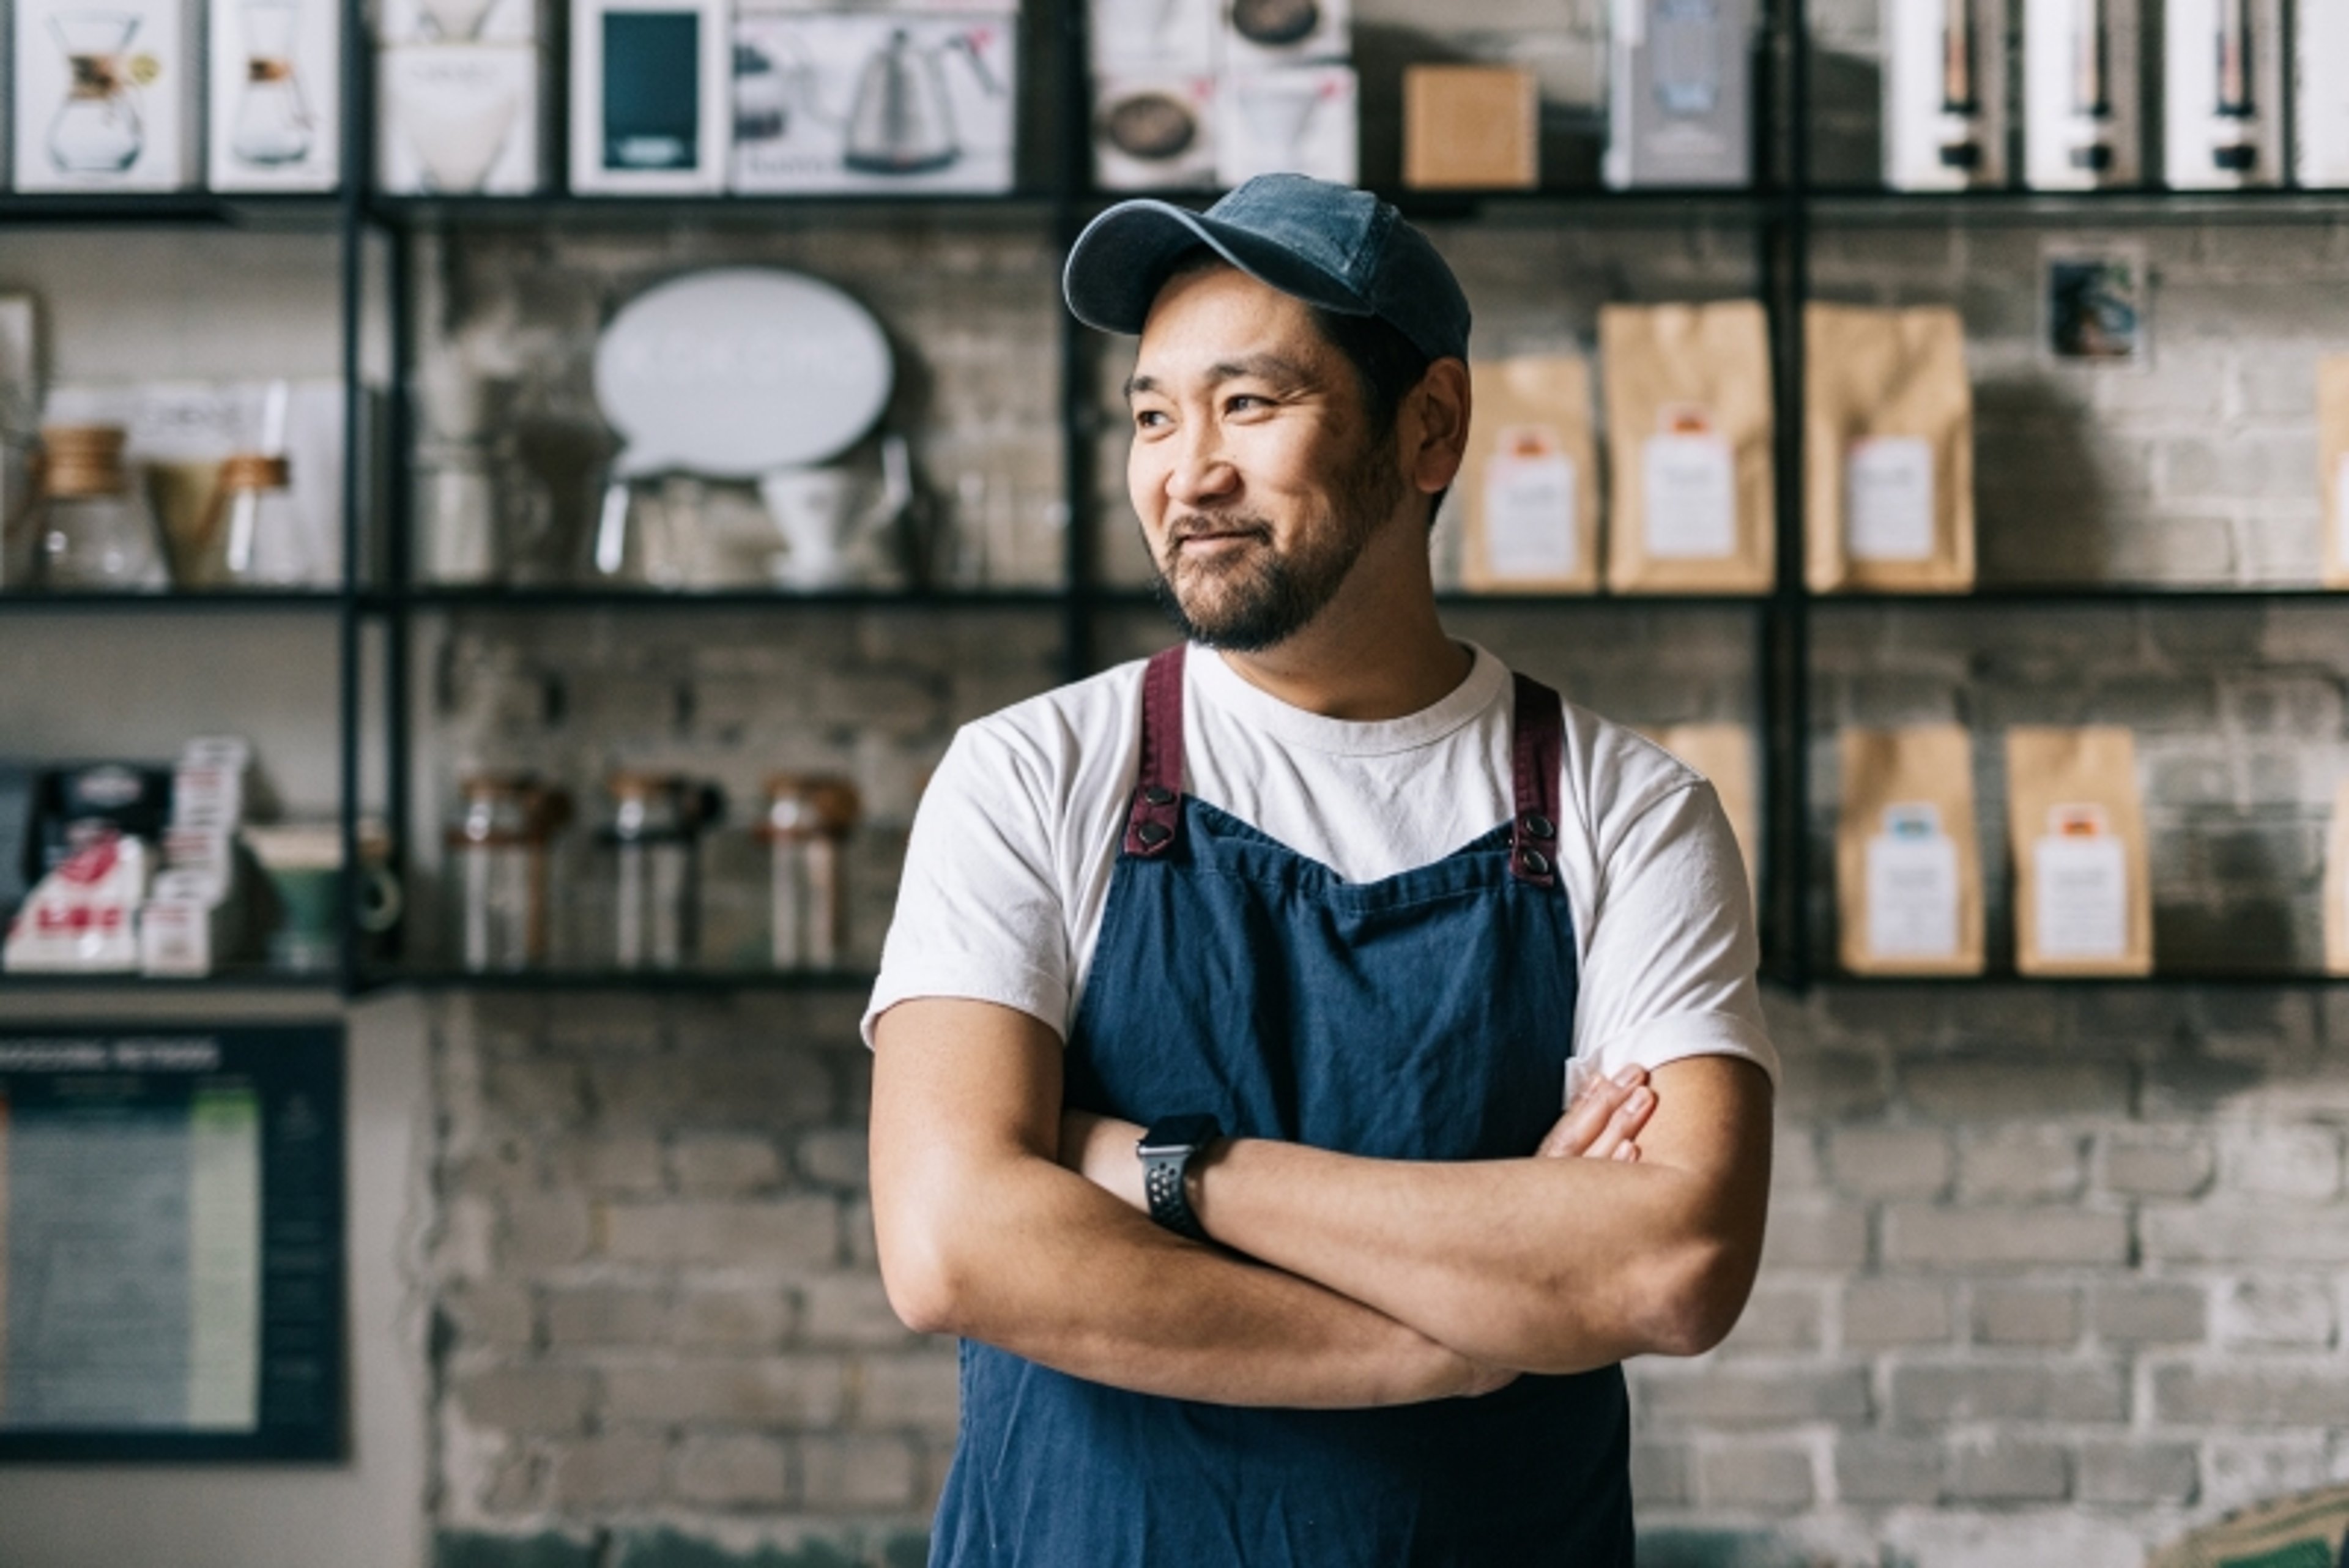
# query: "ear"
{"type": "Point", "coordinates": [1435, 426]}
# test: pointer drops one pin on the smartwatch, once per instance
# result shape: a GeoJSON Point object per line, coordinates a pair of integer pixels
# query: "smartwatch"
{"type": "Point", "coordinates": [1166, 1151]}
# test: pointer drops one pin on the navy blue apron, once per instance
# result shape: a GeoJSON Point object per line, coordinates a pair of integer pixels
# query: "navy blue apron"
{"type": "Point", "coordinates": [1427, 1017]}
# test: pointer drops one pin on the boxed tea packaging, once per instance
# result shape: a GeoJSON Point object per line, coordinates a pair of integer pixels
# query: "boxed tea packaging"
{"type": "Point", "coordinates": [276, 113]}
{"type": "Point", "coordinates": [1529, 480]}
{"type": "Point", "coordinates": [1303, 119]}
{"type": "Point", "coordinates": [105, 99]}
{"type": "Point", "coordinates": [651, 95]}
{"type": "Point", "coordinates": [2083, 900]}
{"type": "Point", "coordinates": [1945, 112]}
{"type": "Point", "coordinates": [2223, 93]}
{"type": "Point", "coordinates": [873, 101]}
{"type": "Point", "coordinates": [1155, 131]}
{"type": "Point", "coordinates": [1908, 886]}
{"type": "Point", "coordinates": [2083, 105]}
{"type": "Point", "coordinates": [1470, 128]}
{"type": "Point", "coordinates": [1679, 93]}
{"type": "Point", "coordinates": [1689, 421]}
{"type": "Point", "coordinates": [1888, 450]}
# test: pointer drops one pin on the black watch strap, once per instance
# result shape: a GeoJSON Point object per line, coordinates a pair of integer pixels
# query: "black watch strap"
{"type": "Point", "coordinates": [1166, 1151]}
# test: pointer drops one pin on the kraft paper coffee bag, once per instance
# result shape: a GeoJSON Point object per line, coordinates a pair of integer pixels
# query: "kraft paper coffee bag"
{"type": "Point", "coordinates": [2332, 464]}
{"type": "Point", "coordinates": [1529, 484]}
{"type": "Point", "coordinates": [1688, 448]}
{"type": "Point", "coordinates": [1888, 450]}
{"type": "Point", "coordinates": [2311, 1527]}
{"type": "Point", "coordinates": [2336, 886]}
{"type": "Point", "coordinates": [1724, 753]}
{"type": "Point", "coordinates": [1908, 886]}
{"type": "Point", "coordinates": [2083, 903]}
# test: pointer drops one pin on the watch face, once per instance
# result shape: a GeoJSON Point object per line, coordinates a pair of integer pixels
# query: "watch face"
{"type": "Point", "coordinates": [1170, 1135]}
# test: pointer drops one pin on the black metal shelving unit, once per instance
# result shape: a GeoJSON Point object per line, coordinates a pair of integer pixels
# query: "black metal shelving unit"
{"type": "Point", "coordinates": [381, 597]}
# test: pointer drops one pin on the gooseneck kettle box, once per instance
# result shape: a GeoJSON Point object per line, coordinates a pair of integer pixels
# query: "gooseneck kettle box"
{"type": "Point", "coordinates": [105, 95]}
{"type": "Point", "coordinates": [2083, 99]}
{"type": "Point", "coordinates": [275, 75]}
{"type": "Point", "coordinates": [649, 96]}
{"type": "Point", "coordinates": [1945, 99]}
{"type": "Point", "coordinates": [2223, 93]}
{"type": "Point", "coordinates": [886, 101]}
{"type": "Point", "coordinates": [1679, 102]}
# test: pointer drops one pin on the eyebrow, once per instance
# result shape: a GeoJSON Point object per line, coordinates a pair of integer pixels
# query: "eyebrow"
{"type": "Point", "coordinates": [1261, 367]}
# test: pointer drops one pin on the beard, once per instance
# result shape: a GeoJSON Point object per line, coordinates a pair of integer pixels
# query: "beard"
{"type": "Point", "coordinates": [1263, 595]}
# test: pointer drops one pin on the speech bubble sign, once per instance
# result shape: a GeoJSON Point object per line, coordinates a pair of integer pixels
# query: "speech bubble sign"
{"type": "Point", "coordinates": [736, 372]}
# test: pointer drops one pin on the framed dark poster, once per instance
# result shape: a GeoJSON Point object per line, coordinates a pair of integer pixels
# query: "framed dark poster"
{"type": "Point", "coordinates": [171, 1244]}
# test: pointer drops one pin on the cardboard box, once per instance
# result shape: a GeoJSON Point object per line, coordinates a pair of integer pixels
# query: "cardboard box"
{"type": "Point", "coordinates": [2223, 97]}
{"type": "Point", "coordinates": [1680, 105]}
{"type": "Point", "coordinates": [458, 120]}
{"type": "Point", "coordinates": [1154, 36]}
{"type": "Point", "coordinates": [651, 95]}
{"type": "Point", "coordinates": [884, 103]}
{"type": "Point", "coordinates": [131, 122]}
{"type": "Point", "coordinates": [1270, 35]}
{"type": "Point", "coordinates": [1300, 121]}
{"type": "Point", "coordinates": [276, 99]}
{"type": "Point", "coordinates": [1945, 94]}
{"type": "Point", "coordinates": [2083, 103]}
{"type": "Point", "coordinates": [1470, 128]}
{"type": "Point", "coordinates": [1155, 131]}
{"type": "Point", "coordinates": [457, 22]}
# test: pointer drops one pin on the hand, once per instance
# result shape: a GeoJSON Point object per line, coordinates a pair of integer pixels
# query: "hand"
{"type": "Point", "coordinates": [1604, 1120]}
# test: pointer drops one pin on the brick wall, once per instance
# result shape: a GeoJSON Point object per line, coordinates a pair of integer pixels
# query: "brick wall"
{"type": "Point", "coordinates": [2053, 1271]}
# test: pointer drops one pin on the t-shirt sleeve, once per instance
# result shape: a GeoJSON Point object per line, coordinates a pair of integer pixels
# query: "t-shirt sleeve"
{"type": "Point", "coordinates": [980, 910]}
{"type": "Point", "coordinates": [1668, 968]}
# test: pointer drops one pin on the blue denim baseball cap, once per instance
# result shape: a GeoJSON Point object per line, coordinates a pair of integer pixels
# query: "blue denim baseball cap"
{"type": "Point", "coordinates": [1327, 244]}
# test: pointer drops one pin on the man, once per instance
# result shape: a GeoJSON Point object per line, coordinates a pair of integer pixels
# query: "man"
{"type": "Point", "coordinates": [1279, 1259]}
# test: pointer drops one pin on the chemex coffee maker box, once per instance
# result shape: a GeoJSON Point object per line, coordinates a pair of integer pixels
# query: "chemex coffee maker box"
{"type": "Point", "coordinates": [874, 100]}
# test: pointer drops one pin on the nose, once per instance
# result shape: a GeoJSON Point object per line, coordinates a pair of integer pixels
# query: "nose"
{"type": "Point", "coordinates": [1202, 473]}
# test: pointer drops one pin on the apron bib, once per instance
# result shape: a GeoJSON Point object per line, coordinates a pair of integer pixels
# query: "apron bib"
{"type": "Point", "coordinates": [1427, 1016]}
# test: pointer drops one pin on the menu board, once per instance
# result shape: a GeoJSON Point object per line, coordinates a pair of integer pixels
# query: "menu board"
{"type": "Point", "coordinates": [171, 1243]}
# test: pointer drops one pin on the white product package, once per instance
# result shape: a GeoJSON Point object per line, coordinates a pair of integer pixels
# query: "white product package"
{"type": "Point", "coordinates": [458, 120]}
{"type": "Point", "coordinates": [276, 95]}
{"type": "Point", "coordinates": [651, 95]}
{"type": "Point", "coordinates": [1153, 34]}
{"type": "Point", "coordinates": [1679, 93]}
{"type": "Point", "coordinates": [83, 917]}
{"type": "Point", "coordinates": [2223, 93]}
{"type": "Point", "coordinates": [1269, 35]}
{"type": "Point", "coordinates": [105, 99]}
{"type": "Point", "coordinates": [1155, 131]}
{"type": "Point", "coordinates": [2320, 64]}
{"type": "Point", "coordinates": [1300, 121]}
{"type": "Point", "coordinates": [457, 21]}
{"type": "Point", "coordinates": [1945, 110]}
{"type": "Point", "coordinates": [2082, 101]}
{"type": "Point", "coordinates": [875, 103]}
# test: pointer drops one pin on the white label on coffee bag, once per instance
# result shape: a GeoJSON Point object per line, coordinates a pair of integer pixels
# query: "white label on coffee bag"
{"type": "Point", "coordinates": [2081, 897]}
{"type": "Point", "coordinates": [1529, 506]}
{"type": "Point", "coordinates": [1691, 484]}
{"type": "Point", "coordinates": [1889, 499]}
{"type": "Point", "coordinates": [1912, 886]}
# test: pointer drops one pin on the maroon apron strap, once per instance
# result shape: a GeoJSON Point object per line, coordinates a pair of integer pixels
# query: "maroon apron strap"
{"type": "Point", "coordinates": [1537, 747]}
{"type": "Point", "coordinates": [1156, 815]}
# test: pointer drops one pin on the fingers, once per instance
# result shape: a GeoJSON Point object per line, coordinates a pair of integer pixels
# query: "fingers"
{"type": "Point", "coordinates": [1586, 1118]}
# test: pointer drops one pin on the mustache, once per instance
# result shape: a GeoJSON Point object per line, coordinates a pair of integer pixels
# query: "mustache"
{"type": "Point", "coordinates": [1206, 524]}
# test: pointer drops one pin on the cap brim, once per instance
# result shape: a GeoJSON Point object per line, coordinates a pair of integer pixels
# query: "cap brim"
{"type": "Point", "coordinates": [1121, 261]}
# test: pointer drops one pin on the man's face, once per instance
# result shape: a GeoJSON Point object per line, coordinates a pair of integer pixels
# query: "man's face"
{"type": "Point", "coordinates": [1255, 473]}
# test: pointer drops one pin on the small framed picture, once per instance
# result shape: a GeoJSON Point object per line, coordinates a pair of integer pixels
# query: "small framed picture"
{"type": "Point", "coordinates": [2094, 305]}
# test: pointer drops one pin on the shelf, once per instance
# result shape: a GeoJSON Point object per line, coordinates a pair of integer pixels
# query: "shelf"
{"type": "Point", "coordinates": [1838, 979]}
{"type": "Point", "coordinates": [316, 600]}
{"type": "Point", "coordinates": [325, 982]}
{"type": "Point", "coordinates": [705, 981]}
{"type": "Point", "coordinates": [2183, 594]}
{"type": "Point", "coordinates": [2282, 205]}
{"type": "Point", "coordinates": [321, 211]}
{"type": "Point", "coordinates": [654, 599]}
{"type": "Point", "coordinates": [416, 213]}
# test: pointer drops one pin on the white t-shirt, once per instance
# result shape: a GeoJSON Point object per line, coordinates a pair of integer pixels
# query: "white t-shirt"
{"type": "Point", "coordinates": [1012, 851]}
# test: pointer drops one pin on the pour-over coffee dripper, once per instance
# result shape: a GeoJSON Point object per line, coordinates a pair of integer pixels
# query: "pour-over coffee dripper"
{"type": "Point", "coordinates": [1277, 112]}
{"type": "Point", "coordinates": [274, 125]}
{"type": "Point", "coordinates": [96, 130]}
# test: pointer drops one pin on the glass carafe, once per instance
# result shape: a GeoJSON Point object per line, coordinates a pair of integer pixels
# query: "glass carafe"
{"type": "Point", "coordinates": [274, 125]}
{"type": "Point", "coordinates": [654, 841]}
{"type": "Point", "coordinates": [253, 522]}
{"type": "Point", "coordinates": [497, 870]}
{"type": "Point", "coordinates": [809, 818]}
{"type": "Point", "coordinates": [97, 131]}
{"type": "Point", "coordinates": [90, 525]}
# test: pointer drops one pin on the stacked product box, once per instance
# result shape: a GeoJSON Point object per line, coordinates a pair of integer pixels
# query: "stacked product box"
{"type": "Point", "coordinates": [105, 99]}
{"type": "Point", "coordinates": [1195, 94]}
{"type": "Point", "coordinates": [458, 97]}
{"type": "Point", "coordinates": [1680, 100]}
{"type": "Point", "coordinates": [275, 112]}
{"type": "Point", "coordinates": [910, 97]}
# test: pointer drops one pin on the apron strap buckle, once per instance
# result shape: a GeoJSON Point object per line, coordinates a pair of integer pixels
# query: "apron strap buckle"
{"type": "Point", "coordinates": [1155, 818]}
{"type": "Point", "coordinates": [1537, 751]}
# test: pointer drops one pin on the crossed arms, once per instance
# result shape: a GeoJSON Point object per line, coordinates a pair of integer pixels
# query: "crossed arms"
{"type": "Point", "coordinates": [1358, 1281]}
